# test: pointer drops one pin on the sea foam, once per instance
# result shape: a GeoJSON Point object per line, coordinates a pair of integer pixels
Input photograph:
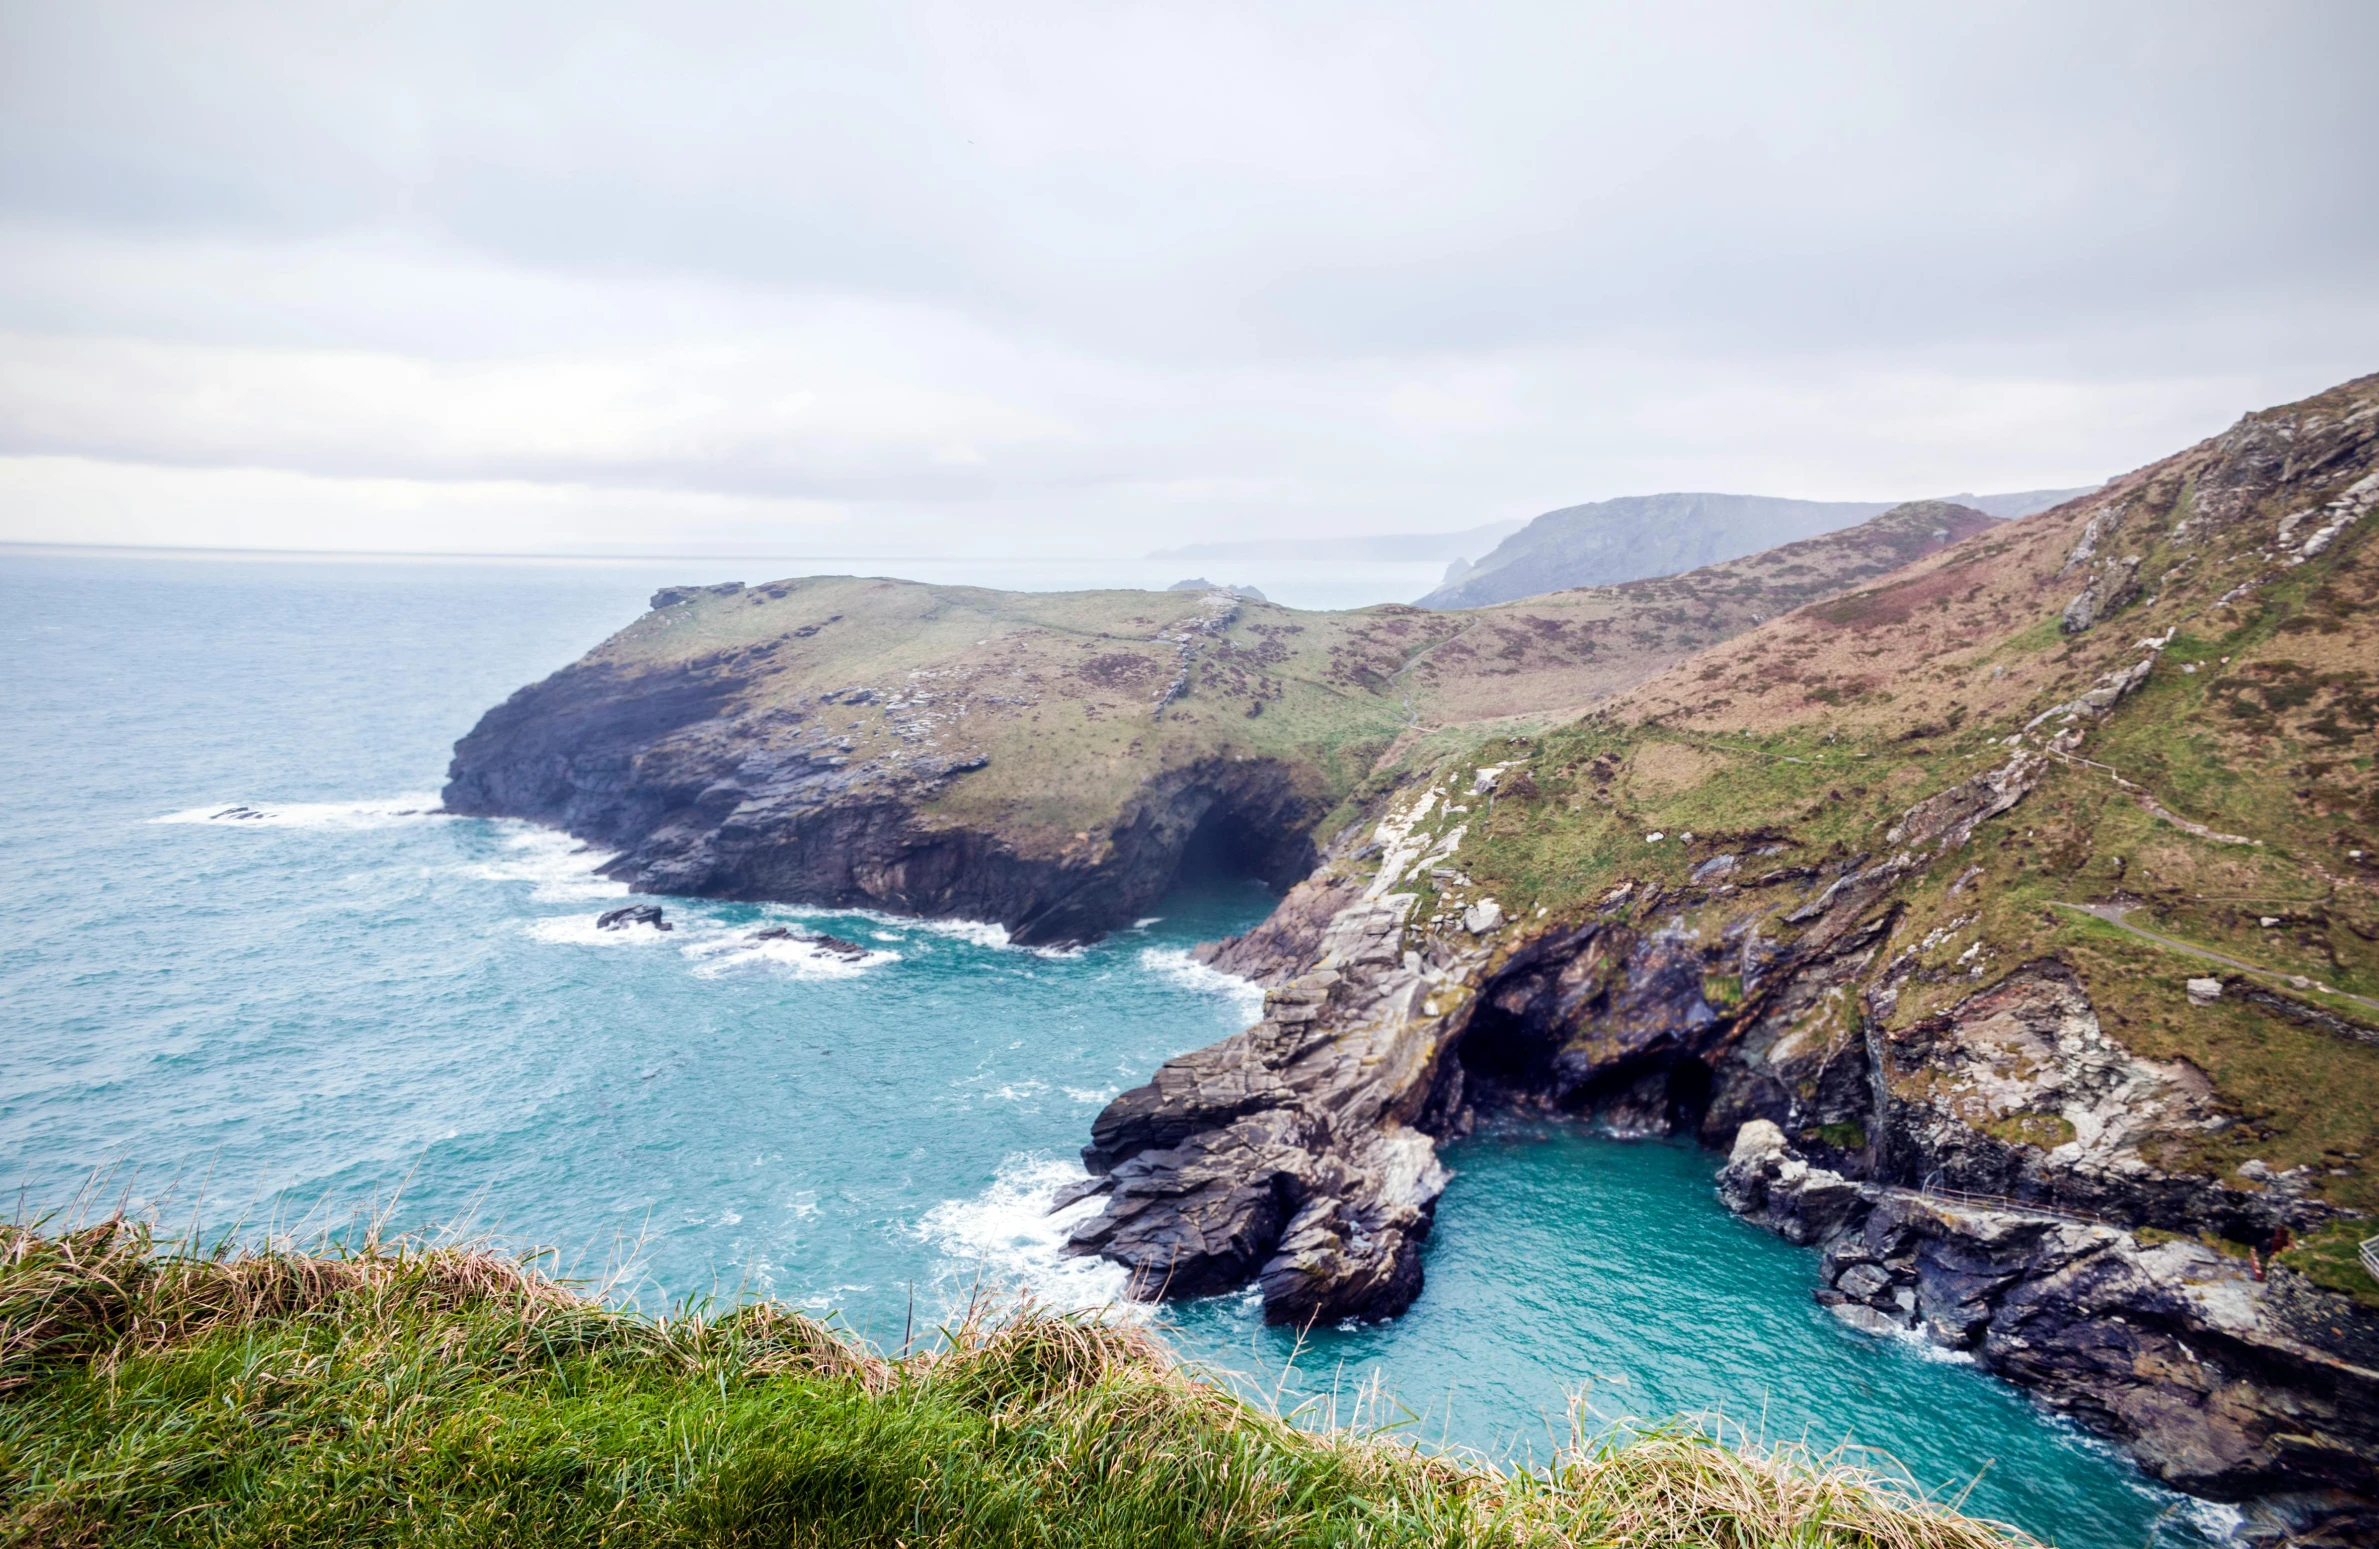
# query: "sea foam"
{"type": "Point", "coordinates": [1007, 1240]}
{"type": "Point", "coordinates": [580, 930]}
{"type": "Point", "coordinates": [378, 813]}
{"type": "Point", "coordinates": [730, 953]}
{"type": "Point", "coordinates": [557, 867]}
{"type": "Point", "coordinates": [1175, 964]}
{"type": "Point", "coordinates": [981, 933]}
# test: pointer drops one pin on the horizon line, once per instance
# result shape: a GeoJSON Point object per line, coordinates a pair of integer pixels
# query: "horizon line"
{"type": "Point", "coordinates": [203, 551]}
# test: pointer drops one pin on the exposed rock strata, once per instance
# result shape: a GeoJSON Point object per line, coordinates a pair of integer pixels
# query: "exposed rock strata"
{"type": "Point", "coordinates": [1299, 1153]}
{"type": "Point", "coordinates": [2223, 1384]}
{"type": "Point", "coordinates": [1046, 761]}
{"type": "Point", "coordinates": [704, 798]}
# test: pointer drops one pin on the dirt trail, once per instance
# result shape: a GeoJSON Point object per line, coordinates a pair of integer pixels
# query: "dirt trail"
{"type": "Point", "coordinates": [2114, 914]}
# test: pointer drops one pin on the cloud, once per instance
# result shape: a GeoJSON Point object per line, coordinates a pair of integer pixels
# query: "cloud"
{"type": "Point", "coordinates": [1097, 276]}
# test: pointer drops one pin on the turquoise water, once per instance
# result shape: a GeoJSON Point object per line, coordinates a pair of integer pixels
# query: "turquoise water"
{"type": "Point", "coordinates": [353, 1003]}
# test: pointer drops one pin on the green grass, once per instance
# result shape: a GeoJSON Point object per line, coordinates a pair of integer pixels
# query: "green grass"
{"type": "Point", "coordinates": [2288, 1095]}
{"type": "Point", "coordinates": [2328, 1259]}
{"type": "Point", "coordinates": [403, 1395]}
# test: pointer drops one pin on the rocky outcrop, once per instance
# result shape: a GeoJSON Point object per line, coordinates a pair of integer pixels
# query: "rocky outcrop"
{"type": "Point", "coordinates": [1980, 1174]}
{"type": "Point", "coordinates": [2221, 1383]}
{"type": "Point", "coordinates": [2113, 585]}
{"type": "Point", "coordinates": [633, 914]}
{"type": "Point", "coordinates": [705, 796]}
{"type": "Point", "coordinates": [1300, 1153]}
{"type": "Point", "coordinates": [818, 941]}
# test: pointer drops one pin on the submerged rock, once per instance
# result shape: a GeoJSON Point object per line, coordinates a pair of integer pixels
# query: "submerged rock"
{"type": "Point", "coordinates": [633, 914]}
{"type": "Point", "coordinates": [832, 946]}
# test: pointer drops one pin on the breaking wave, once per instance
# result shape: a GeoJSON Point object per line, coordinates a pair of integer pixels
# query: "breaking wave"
{"type": "Point", "coordinates": [738, 950]}
{"type": "Point", "coordinates": [557, 867]}
{"type": "Point", "coordinates": [1175, 964]}
{"type": "Point", "coordinates": [313, 814]}
{"type": "Point", "coordinates": [1006, 1239]}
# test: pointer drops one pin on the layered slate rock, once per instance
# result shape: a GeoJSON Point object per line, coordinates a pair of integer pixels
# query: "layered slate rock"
{"type": "Point", "coordinates": [2003, 1141]}
{"type": "Point", "coordinates": [2224, 1382]}
{"type": "Point", "coordinates": [1299, 1153]}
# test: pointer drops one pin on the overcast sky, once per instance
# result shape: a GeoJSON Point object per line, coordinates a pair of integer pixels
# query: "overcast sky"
{"type": "Point", "coordinates": [993, 278]}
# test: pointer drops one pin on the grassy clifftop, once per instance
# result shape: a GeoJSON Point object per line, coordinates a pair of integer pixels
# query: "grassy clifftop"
{"type": "Point", "coordinates": [1073, 702]}
{"type": "Point", "coordinates": [443, 1396]}
{"type": "Point", "coordinates": [2212, 814]}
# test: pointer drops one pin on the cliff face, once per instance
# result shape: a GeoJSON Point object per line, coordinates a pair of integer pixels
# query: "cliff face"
{"type": "Point", "coordinates": [707, 802]}
{"type": "Point", "coordinates": [1046, 761]}
{"type": "Point", "coordinates": [1854, 897]}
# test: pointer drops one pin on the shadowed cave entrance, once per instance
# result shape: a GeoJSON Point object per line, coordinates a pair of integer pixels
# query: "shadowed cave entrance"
{"type": "Point", "coordinates": [1511, 1061]}
{"type": "Point", "coordinates": [1230, 844]}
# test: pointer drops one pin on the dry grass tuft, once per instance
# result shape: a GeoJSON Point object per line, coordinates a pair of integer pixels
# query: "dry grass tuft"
{"type": "Point", "coordinates": [1682, 1487]}
{"type": "Point", "coordinates": [101, 1291]}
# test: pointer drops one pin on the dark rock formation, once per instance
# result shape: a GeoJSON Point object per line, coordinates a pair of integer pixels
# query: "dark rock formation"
{"type": "Point", "coordinates": [1976, 1175]}
{"type": "Point", "coordinates": [1300, 1153]}
{"type": "Point", "coordinates": [832, 946]}
{"type": "Point", "coordinates": [706, 797]}
{"type": "Point", "coordinates": [633, 914]}
{"type": "Point", "coordinates": [2222, 1384]}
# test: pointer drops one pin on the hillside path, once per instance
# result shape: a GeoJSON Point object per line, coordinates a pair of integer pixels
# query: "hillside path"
{"type": "Point", "coordinates": [2114, 914]}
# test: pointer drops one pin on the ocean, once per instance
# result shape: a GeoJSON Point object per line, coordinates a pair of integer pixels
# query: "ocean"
{"type": "Point", "coordinates": [254, 980]}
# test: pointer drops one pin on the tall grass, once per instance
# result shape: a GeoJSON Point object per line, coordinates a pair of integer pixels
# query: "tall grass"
{"type": "Point", "coordinates": [399, 1393]}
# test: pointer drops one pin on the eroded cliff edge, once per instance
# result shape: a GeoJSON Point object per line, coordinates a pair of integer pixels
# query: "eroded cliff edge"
{"type": "Point", "coordinates": [940, 751]}
{"type": "Point", "coordinates": [1853, 899]}
{"type": "Point", "coordinates": [1048, 761]}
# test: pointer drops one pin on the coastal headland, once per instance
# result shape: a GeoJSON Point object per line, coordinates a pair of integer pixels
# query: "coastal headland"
{"type": "Point", "coordinates": [1797, 855]}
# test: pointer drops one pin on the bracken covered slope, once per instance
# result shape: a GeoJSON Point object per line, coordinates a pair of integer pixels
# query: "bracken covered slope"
{"type": "Point", "coordinates": [1570, 649]}
{"type": "Point", "coordinates": [1637, 536]}
{"type": "Point", "coordinates": [1045, 761]}
{"type": "Point", "coordinates": [2013, 923]}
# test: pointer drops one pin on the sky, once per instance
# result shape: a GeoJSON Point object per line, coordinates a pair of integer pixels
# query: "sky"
{"type": "Point", "coordinates": [1046, 280]}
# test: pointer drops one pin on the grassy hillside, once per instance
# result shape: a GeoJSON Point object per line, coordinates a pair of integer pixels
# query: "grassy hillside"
{"type": "Point", "coordinates": [1611, 541]}
{"type": "Point", "coordinates": [407, 1396]}
{"type": "Point", "coordinates": [1074, 701]}
{"type": "Point", "coordinates": [2225, 804]}
{"type": "Point", "coordinates": [1071, 699]}
{"type": "Point", "coordinates": [1567, 650]}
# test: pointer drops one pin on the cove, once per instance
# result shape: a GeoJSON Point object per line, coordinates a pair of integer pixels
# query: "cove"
{"type": "Point", "coordinates": [346, 999]}
{"type": "Point", "coordinates": [1566, 1262]}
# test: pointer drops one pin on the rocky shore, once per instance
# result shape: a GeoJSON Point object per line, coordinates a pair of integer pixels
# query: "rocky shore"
{"type": "Point", "coordinates": [1841, 894]}
{"type": "Point", "coordinates": [1300, 1154]}
{"type": "Point", "coordinates": [2222, 1381]}
{"type": "Point", "coordinates": [748, 768]}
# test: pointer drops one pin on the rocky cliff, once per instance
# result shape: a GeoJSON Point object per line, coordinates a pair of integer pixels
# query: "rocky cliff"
{"type": "Point", "coordinates": [1853, 897]}
{"type": "Point", "coordinates": [1043, 762]}
{"type": "Point", "coordinates": [1050, 761]}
